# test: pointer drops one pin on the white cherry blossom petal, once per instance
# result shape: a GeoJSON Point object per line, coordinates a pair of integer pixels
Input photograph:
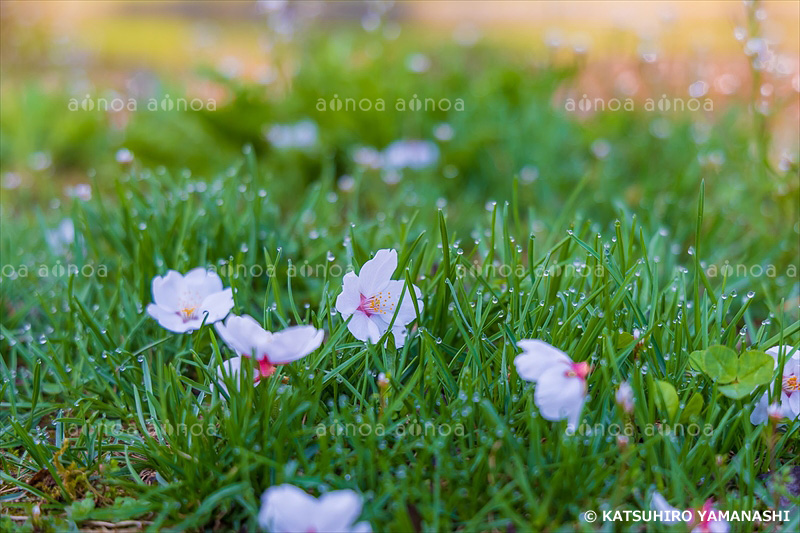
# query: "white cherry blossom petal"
{"type": "Point", "coordinates": [536, 357]}
{"type": "Point", "coordinates": [363, 328]}
{"type": "Point", "coordinates": [231, 369]}
{"type": "Point", "coordinates": [659, 503]}
{"type": "Point", "coordinates": [338, 510]}
{"type": "Point", "coordinates": [171, 320]}
{"type": "Point", "coordinates": [558, 396]}
{"type": "Point", "coordinates": [217, 305]}
{"type": "Point", "coordinates": [287, 509]}
{"type": "Point", "coordinates": [350, 298]}
{"type": "Point", "coordinates": [759, 414]}
{"type": "Point", "coordinates": [243, 334]}
{"type": "Point", "coordinates": [167, 289]}
{"type": "Point", "coordinates": [791, 404]}
{"type": "Point", "coordinates": [292, 344]}
{"type": "Point", "coordinates": [376, 272]}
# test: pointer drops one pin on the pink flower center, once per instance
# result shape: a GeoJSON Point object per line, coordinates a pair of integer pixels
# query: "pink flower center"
{"type": "Point", "coordinates": [791, 383]}
{"type": "Point", "coordinates": [187, 313]}
{"type": "Point", "coordinates": [579, 370]}
{"type": "Point", "coordinates": [704, 525]}
{"type": "Point", "coordinates": [374, 304]}
{"type": "Point", "coordinates": [265, 369]}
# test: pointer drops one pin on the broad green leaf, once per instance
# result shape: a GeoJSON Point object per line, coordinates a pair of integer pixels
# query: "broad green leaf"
{"type": "Point", "coordinates": [755, 368]}
{"type": "Point", "coordinates": [697, 360]}
{"type": "Point", "coordinates": [693, 408]}
{"type": "Point", "coordinates": [625, 339]}
{"type": "Point", "coordinates": [736, 391]}
{"type": "Point", "coordinates": [80, 510]}
{"type": "Point", "coordinates": [720, 364]}
{"type": "Point", "coordinates": [667, 397]}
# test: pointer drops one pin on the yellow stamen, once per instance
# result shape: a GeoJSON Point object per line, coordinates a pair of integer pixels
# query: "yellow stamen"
{"type": "Point", "coordinates": [791, 384]}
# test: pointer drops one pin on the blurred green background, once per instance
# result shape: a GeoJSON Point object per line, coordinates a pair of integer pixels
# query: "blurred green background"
{"type": "Point", "coordinates": [93, 90]}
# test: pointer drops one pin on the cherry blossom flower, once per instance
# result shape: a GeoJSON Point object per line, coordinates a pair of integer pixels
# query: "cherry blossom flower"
{"type": "Point", "coordinates": [11, 180]}
{"type": "Point", "coordinates": [288, 509]}
{"type": "Point", "coordinates": [368, 156]}
{"type": "Point", "coordinates": [184, 303]}
{"type": "Point", "coordinates": [789, 399]}
{"type": "Point", "coordinates": [124, 156]}
{"type": "Point", "coordinates": [82, 191]}
{"type": "Point", "coordinates": [703, 520]}
{"type": "Point", "coordinates": [61, 238]}
{"type": "Point", "coordinates": [560, 383]}
{"type": "Point", "coordinates": [247, 338]}
{"type": "Point", "coordinates": [668, 513]}
{"type": "Point", "coordinates": [414, 154]}
{"type": "Point", "coordinates": [372, 298]}
{"type": "Point", "coordinates": [624, 397]}
{"type": "Point", "coordinates": [383, 381]}
{"type": "Point", "coordinates": [775, 412]}
{"type": "Point", "coordinates": [300, 135]}
{"type": "Point", "coordinates": [232, 369]}
{"type": "Point", "coordinates": [418, 63]}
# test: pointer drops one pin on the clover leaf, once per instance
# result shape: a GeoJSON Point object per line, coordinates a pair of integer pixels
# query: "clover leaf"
{"type": "Point", "coordinates": [737, 376]}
